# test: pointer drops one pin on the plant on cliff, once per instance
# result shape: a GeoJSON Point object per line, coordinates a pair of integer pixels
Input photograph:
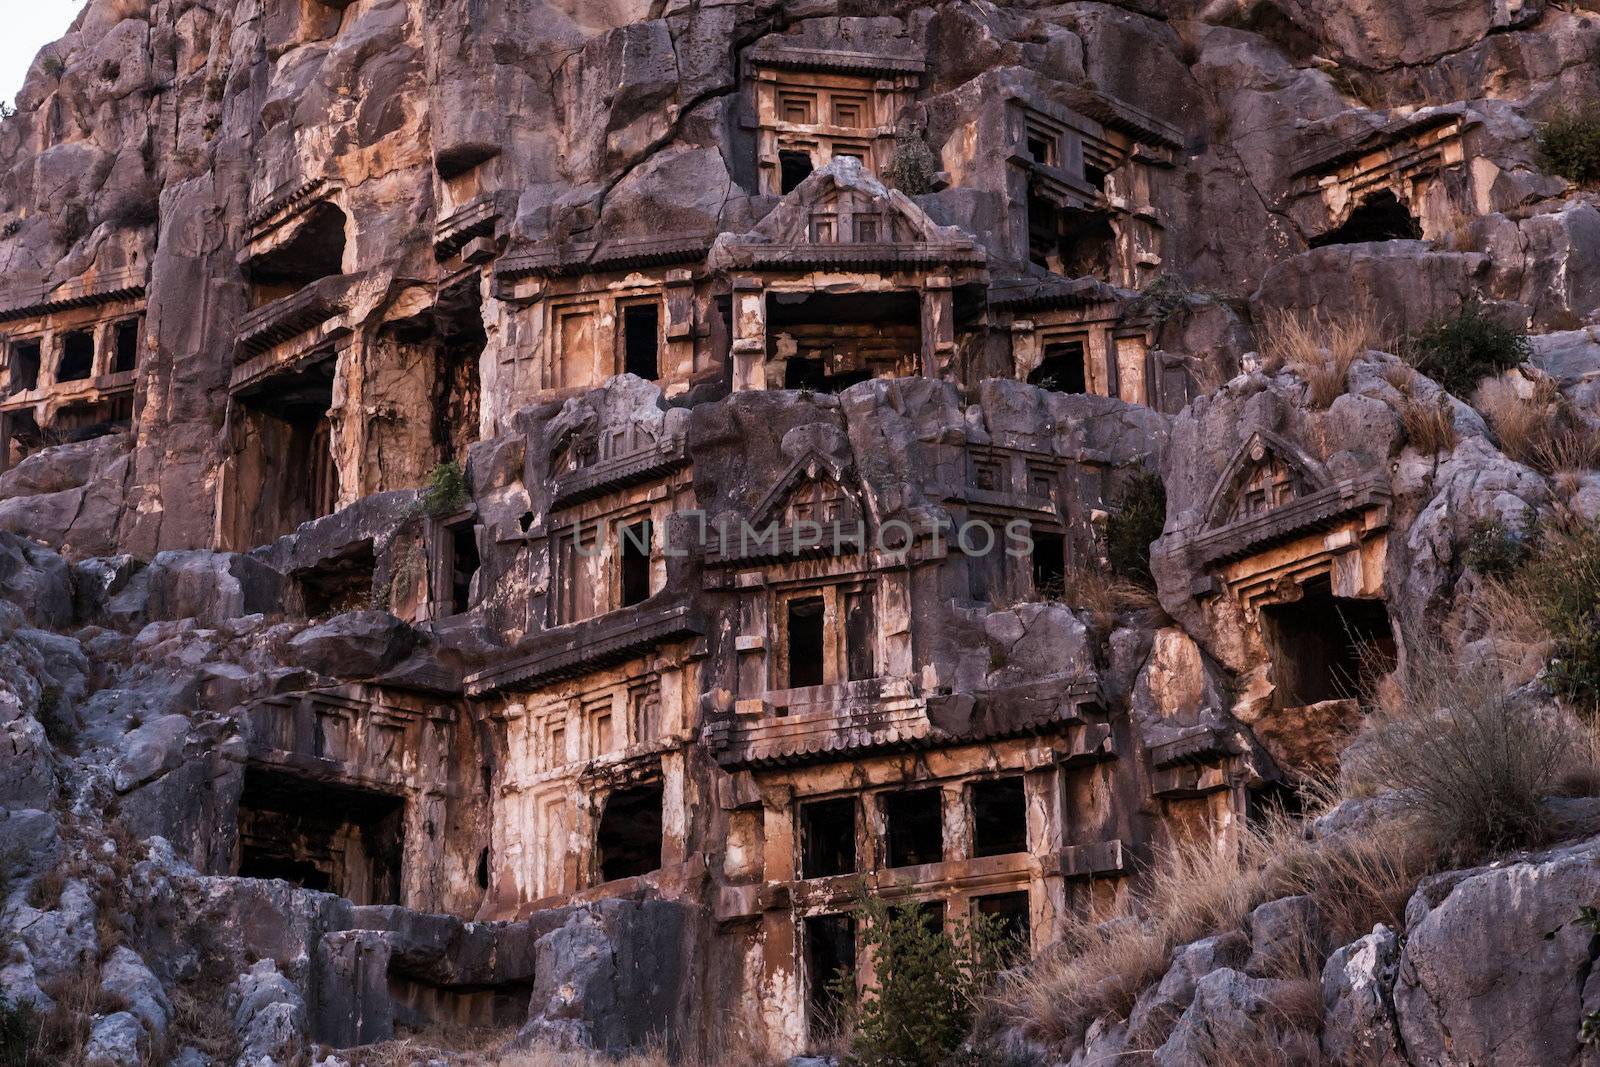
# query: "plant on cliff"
{"type": "Point", "coordinates": [912, 167]}
{"type": "Point", "coordinates": [1562, 586]}
{"type": "Point", "coordinates": [1320, 350]}
{"type": "Point", "coordinates": [1135, 522]}
{"type": "Point", "coordinates": [1569, 145]}
{"type": "Point", "coordinates": [929, 986]}
{"type": "Point", "coordinates": [1456, 748]}
{"type": "Point", "coordinates": [1458, 351]}
{"type": "Point", "coordinates": [19, 1027]}
{"type": "Point", "coordinates": [446, 491]}
{"type": "Point", "coordinates": [1496, 551]}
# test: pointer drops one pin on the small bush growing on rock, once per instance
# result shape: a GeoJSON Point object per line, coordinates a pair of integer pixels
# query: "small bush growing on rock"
{"type": "Point", "coordinates": [1472, 763]}
{"type": "Point", "coordinates": [1137, 520]}
{"type": "Point", "coordinates": [1495, 551]}
{"type": "Point", "coordinates": [1561, 583]}
{"type": "Point", "coordinates": [912, 167]}
{"type": "Point", "coordinates": [1569, 145]}
{"type": "Point", "coordinates": [1430, 427]}
{"type": "Point", "coordinates": [446, 492]}
{"type": "Point", "coordinates": [929, 984]}
{"type": "Point", "coordinates": [1458, 351]}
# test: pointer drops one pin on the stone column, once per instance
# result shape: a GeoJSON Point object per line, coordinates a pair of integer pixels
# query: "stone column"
{"type": "Point", "coordinates": [938, 328]}
{"type": "Point", "coordinates": [749, 334]}
{"type": "Point", "coordinates": [1046, 834]}
{"type": "Point", "coordinates": [677, 362]}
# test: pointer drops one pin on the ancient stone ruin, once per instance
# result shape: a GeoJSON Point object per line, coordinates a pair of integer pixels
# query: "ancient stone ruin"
{"type": "Point", "coordinates": [528, 513]}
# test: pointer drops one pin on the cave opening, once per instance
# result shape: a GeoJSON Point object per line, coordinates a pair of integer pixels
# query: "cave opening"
{"type": "Point", "coordinates": [1380, 217]}
{"type": "Point", "coordinates": [332, 837]}
{"type": "Point", "coordinates": [828, 837]}
{"type": "Point", "coordinates": [830, 341]}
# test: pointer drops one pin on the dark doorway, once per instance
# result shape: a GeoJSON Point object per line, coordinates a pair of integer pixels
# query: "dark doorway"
{"type": "Point", "coordinates": [635, 550]}
{"type": "Point", "coordinates": [283, 444]}
{"type": "Point", "coordinates": [1049, 564]}
{"type": "Point", "coordinates": [805, 655]}
{"type": "Point", "coordinates": [641, 340]}
{"type": "Point", "coordinates": [793, 168]}
{"type": "Point", "coordinates": [844, 338]}
{"type": "Point", "coordinates": [830, 948]}
{"type": "Point", "coordinates": [828, 838]}
{"type": "Point", "coordinates": [629, 842]}
{"type": "Point", "coordinates": [1381, 217]}
{"type": "Point", "coordinates": [464, 563]}
{"type": "Point", "coordinates": [860, 633]}
{"type": "Point", "coordinates": [1062, 370]}
{"type": "Point", "coordinates": [915, 822]}
{"type": "Point", "coordinates": [1087, 245]}
{"type": "Point", "coordinates": [1326, 647]}
{"type": "Point", "coordinates": [331, 837]}
{"type": "Point", "coordinates": [24, 367]}
{"type": "Point", "coordinates": [126, 356]}
{"type": "Point", "coordinates": [999, 817]}
{"type": "Point", "coordinates": [77, 357]}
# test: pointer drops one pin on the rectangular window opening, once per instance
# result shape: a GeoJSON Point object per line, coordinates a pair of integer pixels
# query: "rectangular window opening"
{"type": "Point", "coordinates": [828, 838]}
{"type": "Point", "coordinates": [793, 168]}
{"type": "Point", "coordinates": [464, 563]}
{"type": "Point", "coordinates": [915, 821]}
{"type": "Point", "coordinates": [1010, 912]}
{"type": "Point", "coordinates": [636, 538]}
{"type": "Point", "coordinates": [77, 357]}
{"type": "Point", "coordinates": [999, 817]}
{"type": "Point", "coordinates": [806, 661]}
{"type": "Point", "coordinates": [24, 366]}
{"type": "Point", "coordinates": [126, 357]}
{"type": "Point", "coordinates": [1063, 369]}
{"type": "Point", "coordinates": [641, 340]}
{"type": "Point", "coordinates": [1049, 565]}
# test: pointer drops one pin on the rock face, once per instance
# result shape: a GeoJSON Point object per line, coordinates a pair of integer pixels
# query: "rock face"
{"type": "Point", "coordinates": [516, 515]}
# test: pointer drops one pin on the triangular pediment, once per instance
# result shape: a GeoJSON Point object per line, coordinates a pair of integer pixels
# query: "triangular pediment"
{"type": "Point", "coordinates": [815, 488]}
{"type": "Point", "coordinates": [844, 205]}
{"type": "Point", "coordinates": [1266, 473]}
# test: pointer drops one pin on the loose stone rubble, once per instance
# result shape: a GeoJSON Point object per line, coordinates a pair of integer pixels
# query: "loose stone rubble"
{"type": "Point", "coordinates": [760, 337]}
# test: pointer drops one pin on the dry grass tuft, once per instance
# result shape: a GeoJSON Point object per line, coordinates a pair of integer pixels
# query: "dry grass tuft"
{"type": "Point", "coordinates": [1542, 432]}
{"type": "Point", "coordinates": [1194, 890]}
{"type": "Point", "coordinates": [1430, 428]}
{"type": "Point", "coordinates": [1320, 350]}
{"type": "Point", "coordinates": [1471, 764]}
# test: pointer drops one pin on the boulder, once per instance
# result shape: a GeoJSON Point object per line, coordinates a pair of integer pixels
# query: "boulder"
{"type": "Point", "coordinates": [268, 1015]}
{"type": "Point", "coordinates": [1358, 1017]}
{"type": "Point", "coordinates": [612, 978]}
{"type": "Point", "coordinates": [149, 751]}
{"type": "Point", "coordinates": [125, 980]}
{"type": "Point", "coordinates": [116, 1040]}
{"type": "Point", "coordinates": [357, 644]}
{"type": "Point", "coordinates": [1497, 966]}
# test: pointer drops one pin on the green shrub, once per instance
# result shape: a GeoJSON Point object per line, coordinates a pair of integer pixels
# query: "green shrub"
{"type": "Point", "coordinates": [1495, 551]}
{"type": "Point", "coordinates": [929, 985]}
{"type": "Point", "coordinates": [446, 492]}
{"type": "Point", "coordinates": [1569, 145]}
{"type": "Point", "coordinates": [1136, 520]}
{"type": "Point", "coordinates": [1458, 351]}
{"type": "Point", "coordinates": [1561, 584]}
{"type": "Point", "coordinates": [912, 167]}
